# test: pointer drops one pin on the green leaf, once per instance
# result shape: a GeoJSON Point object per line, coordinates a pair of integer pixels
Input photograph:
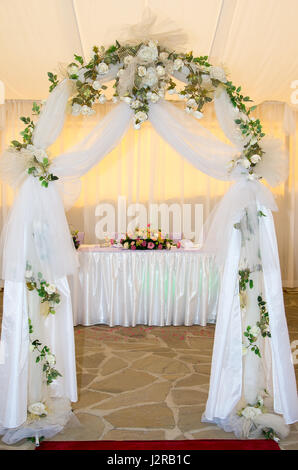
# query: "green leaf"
{"type": "Point", "coordinates": [79, 59]}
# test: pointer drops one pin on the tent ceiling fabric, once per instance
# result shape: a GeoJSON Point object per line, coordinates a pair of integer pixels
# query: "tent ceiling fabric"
{"type": "Point", "coordinates": [255, 40]}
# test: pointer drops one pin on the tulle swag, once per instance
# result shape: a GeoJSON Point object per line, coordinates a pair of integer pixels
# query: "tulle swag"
{"type": "Point", "coordinates": [144, 68]}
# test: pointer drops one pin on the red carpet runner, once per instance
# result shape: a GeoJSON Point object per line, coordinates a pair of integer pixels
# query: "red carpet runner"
{"type": "Point", "coordinates": [204, 444]}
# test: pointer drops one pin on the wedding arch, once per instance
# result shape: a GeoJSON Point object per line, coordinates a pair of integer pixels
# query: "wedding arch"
{"type": "Point", "coordinates": [252, 387]}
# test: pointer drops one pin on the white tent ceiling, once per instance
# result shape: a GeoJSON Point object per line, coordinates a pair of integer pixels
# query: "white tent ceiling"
{"type": "Point", "coordinates": [256, 40]}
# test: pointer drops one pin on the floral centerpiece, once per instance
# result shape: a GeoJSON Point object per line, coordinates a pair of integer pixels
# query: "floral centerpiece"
{"type": "Point", "coordinates": [147, 239]}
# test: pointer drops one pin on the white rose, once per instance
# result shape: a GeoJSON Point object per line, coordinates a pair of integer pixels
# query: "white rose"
{"type": "Point", "coordinates": [161, 93]}
{"type": "Point", "coordinates": [198, 114]}
{"type": "Point", "coordinates": [163, 56]}
{"type": "Point", "coordinates": [178, 63]}
{"type": "Point", "coordinates": [255, 331]}
{"type": "Point", "coordinates": [148, 95]}
{"type": "Point", "coordinates": [142, 71]}
{"type": "Point", "coordinates": [128, 59]}
{"type": "Point", "coordinates": [191, 102]}
{"type": "Point", "coordinates": [85, 110]}
{"type": "Point", "coordinates": [150, 78]}
{"type": "Point", "coordinates": [37, 409]}
{"type": "Point", "coordinates": [51, 359]}
{"type": "Point", "coordinates": [50, 289]}
{"type": "Point", "coordinates": [141, 116]}
{"type": "Point", "coordinates": [102, 68]}
{"type": "Point", "coordinates": [125, 246]}
{"type": "Point", "coordinates": [154, 98]}
{"type": "Point", "coordinates": [255, 158]}
{"type": "Point", "coordinates": [72, 69]}
{"type": "Point", "coordinates": [96, 85]}
{"type": "Point", "coordinates": [160, 70]}
{"type": "Point", "coordinates": [135, 104]}
{"type": "Point", "coordinates": [250, 412]}
{"type": "Point", "coordinates": [148, 53]}
{"type": "Point", "coordinates": [102, 99]}
{"type": "Point", "coordinates": [244, 162]}
{"type": "Point", "coordinates": [76, 109]}
{"type": "Point", "coordinates": [217, 73]}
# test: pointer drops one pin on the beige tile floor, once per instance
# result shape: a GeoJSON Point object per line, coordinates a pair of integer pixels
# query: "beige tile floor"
{"type": "Point", "coordinates": [149, 383]}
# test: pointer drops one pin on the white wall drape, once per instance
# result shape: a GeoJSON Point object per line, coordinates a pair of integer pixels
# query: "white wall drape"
{"type": "Point", "coordinates": [144, 168]}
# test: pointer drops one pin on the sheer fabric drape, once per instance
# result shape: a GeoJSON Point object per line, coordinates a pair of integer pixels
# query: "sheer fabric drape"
{"type": "Point", "coordinates": [145, 169]}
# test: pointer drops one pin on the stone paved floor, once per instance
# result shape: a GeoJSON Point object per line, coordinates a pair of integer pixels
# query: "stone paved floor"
{"type": "Point", "coordinates": [149, 383]}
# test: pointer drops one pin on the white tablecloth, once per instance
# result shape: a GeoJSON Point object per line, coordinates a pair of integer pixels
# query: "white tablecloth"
{"type": "Point", "coordinates": [123, 287]}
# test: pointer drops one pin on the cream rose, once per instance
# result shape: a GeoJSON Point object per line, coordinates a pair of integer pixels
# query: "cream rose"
{"type": "Point", "coordinates": [148, 53]}
{"type": "Point", "coordinates": [50, 289]}
{"type": "Point", "coordinates": [102, 68]}
{"type": "Point", "coordinates": [142, 71]}
{"type": "Point", "coordinates": [51, 359]}
{"type": "Point", "coordinates": [141, 116]}
{"type": "Point", "coordinates": [255, 158]}
{"type": "Point", "coordinates": [178, 63]}
{"type": "Point", "coordinates": [250, 412]}
{"type": "Point", "coordinates": [96, 85]}
{"type": "Point", "coordinates": [38, 409]}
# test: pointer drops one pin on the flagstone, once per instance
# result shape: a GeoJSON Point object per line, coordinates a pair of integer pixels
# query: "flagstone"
{"type": "Point", "coordinates": [112, 365]}
{"type": "Point", "coordinates": [190, 418]}
{"type": "Point", "coordinates": [203, 368]}
{"type": "Point", "coordinates": [123, 381]}
{"type": "Point", "coordinates": [126, 435]}
{"type": "Point", "coordinates": [161, 365]}
{"type": "Point", "coordinates": [156, 392]}
{"type": "Point", "coordinates": [90, 429]}
{"type": "Point", "coordinates": [143, 416]}
{"type": "Point", "coordinates": [84, 379]}
{"type": "Point", "coordinates": [188, 397]}
{"type": "Point", "coordinates": [193, 380]}
{"type": "Point", "coordinates": [91, 361]}
{"type": "Point", "coordinates": [88, 398]}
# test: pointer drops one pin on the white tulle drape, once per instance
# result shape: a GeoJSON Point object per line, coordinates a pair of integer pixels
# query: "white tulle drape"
{"type": "Point", "coordinates": [38, 209]}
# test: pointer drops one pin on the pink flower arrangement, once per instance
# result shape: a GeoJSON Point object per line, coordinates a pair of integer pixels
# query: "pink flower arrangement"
{"type": "Point", "coordinates": [146, 239]}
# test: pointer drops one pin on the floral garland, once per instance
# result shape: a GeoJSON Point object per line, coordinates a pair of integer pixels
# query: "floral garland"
{"type": "Point", "coordinates": [39, 161]}
{"type": "Point", "coordinates": [250, 412]}
{"type": "Point", "coordinates": [46, 291]}
{"type": "Point", "coordinates": [145, 75]}
{"type": "Point", "coordinates": [147, 239]}
{"type": "Point", "coordinates": [44, 355]}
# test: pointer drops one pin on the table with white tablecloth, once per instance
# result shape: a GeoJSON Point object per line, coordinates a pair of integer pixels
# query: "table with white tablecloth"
{"type": "Point", "coordinates": [161, 287]}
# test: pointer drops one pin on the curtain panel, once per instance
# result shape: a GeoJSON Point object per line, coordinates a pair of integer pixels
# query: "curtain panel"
{"type": "Point", "coordinates": [145, 169]}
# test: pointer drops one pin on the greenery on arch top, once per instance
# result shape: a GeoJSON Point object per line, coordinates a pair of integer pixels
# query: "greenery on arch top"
{"type": "Point", "coordinates": [143, 73]}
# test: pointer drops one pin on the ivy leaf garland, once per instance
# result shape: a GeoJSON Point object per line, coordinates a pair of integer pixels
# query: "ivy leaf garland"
{"type": "Point", "coordinates": [45, 356]}
{"type": "Point", "coordinates": [39, 161]}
